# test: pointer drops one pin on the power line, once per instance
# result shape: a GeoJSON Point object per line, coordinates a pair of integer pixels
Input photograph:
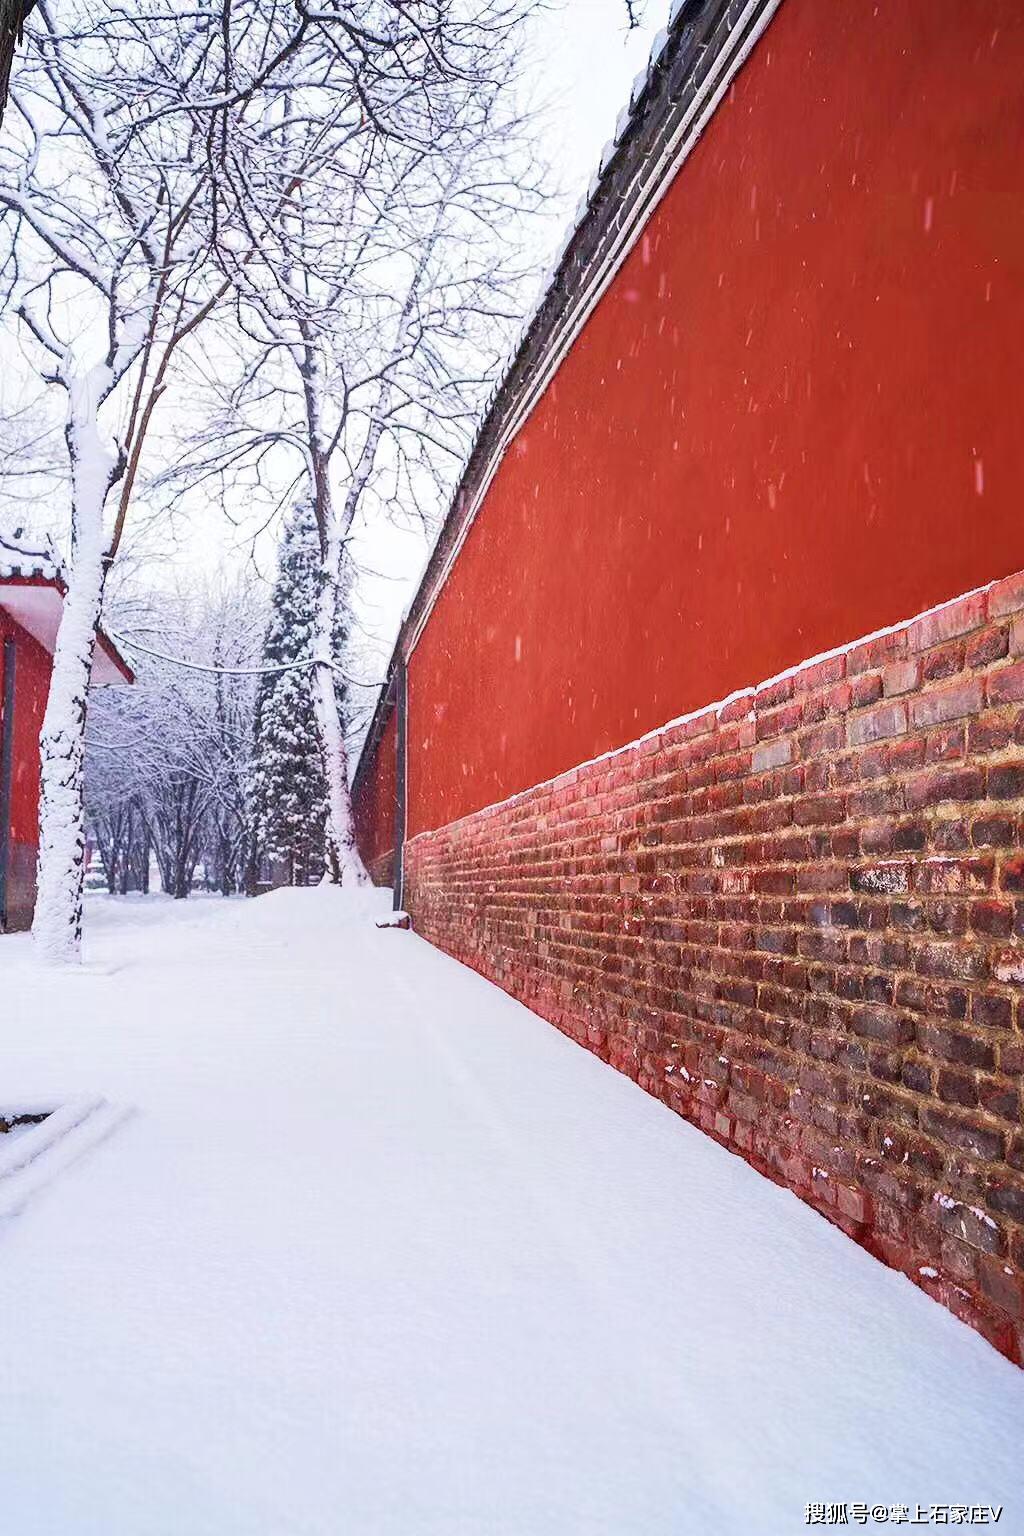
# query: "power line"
{"type": "Point", "coordinates": [198, 666]}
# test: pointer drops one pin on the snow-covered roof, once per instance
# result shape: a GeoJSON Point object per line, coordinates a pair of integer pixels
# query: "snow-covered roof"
{"type": "Point", "coordinates": [26, 558]}
{"type": "Point", "coordinates": [32, 587]}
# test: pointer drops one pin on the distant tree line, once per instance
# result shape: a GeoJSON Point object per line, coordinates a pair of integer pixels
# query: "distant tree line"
{"type": "Point", "coordinates": [209, 769]}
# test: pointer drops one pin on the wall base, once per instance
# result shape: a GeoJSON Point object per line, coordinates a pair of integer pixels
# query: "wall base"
{"type": "Point", "coordinates": [382, 870]}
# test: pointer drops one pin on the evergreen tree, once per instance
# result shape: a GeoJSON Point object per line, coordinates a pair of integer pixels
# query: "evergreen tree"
{"type": "Point", "coordinates": [288, 788]}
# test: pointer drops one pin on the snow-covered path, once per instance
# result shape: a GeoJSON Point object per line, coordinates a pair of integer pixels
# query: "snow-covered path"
{"type": "Point", "coordinates": [381, 1252]}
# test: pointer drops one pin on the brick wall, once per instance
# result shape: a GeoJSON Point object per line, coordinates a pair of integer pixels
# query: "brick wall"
{"type": "Point", "coordinates": [382, 870]}
{"type": "Point", "coordinates": [21, 888]}
{"type": "Point", "coordinates": [798, 919]}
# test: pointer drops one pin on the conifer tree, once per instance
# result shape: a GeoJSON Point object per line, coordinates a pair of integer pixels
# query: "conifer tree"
{"type": "Point", "coordinates": [288, 790]}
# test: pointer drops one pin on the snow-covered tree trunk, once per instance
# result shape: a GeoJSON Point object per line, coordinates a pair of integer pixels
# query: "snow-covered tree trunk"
{"type": "Point", "coordinates": [57, 928]}
{"type": "Point", "coordinates": [344, 865]}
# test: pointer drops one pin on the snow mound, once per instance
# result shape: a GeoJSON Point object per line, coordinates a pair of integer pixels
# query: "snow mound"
{"type": "Point", "coordinates": [316, 909]}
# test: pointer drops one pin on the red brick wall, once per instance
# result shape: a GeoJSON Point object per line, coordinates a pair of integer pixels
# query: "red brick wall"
{"type": "Point", "coordinates": [798, 919]}
{"type": "Point", "coordinates": [382, 869]}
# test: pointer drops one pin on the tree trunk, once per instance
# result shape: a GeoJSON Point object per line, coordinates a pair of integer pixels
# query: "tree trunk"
{"type": "Point", "coordinates": [126, 858]}
{"type": "Point", "coordinates": [57, 928]}
{"type": "Point", "coordinates": [252, 865]}
{"type": "Point", "coordinates": [344, 865]}
{"type": "Point", "coordinates": [164, 859]}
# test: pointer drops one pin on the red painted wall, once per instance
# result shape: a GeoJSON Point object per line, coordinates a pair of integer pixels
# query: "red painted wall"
{"type": "Point", "coordinates": [374, 801]}
{"type": "Point", "coordinates": [791, 419]}
{"type": "Point", "coordinates": [32, 680]}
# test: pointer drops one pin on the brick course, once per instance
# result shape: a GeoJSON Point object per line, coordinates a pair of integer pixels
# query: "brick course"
{"type": "Point", "coordinates": [798, 920]}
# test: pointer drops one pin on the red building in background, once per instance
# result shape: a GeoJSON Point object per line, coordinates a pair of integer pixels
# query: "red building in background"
{"type": "Point", "coordinates": [763, 418]}
{"type": "Point", "coordinates": [31, 598]}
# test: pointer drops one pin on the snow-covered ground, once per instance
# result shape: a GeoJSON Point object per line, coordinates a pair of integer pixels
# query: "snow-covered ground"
{"type": "Point", "coordinates": [381, 1252]}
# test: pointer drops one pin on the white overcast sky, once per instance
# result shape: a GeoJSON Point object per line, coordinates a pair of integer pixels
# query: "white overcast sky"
{"type": "Point", "coordinates": [583, 59]}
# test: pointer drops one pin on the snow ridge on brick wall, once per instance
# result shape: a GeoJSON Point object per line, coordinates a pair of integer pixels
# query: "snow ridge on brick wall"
{"type": "Point", "coordinates": [797, 917]}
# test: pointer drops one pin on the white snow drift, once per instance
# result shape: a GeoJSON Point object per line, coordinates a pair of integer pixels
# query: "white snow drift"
{"type": "Point", "coordinates": [29, 1161]}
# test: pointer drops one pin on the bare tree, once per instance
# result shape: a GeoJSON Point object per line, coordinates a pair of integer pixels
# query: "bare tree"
{"type": "Point", "coordinates": [106, 217]}
{"type": "Point", "coordinates": [160, 159]}
{"type": "Point", "coordinates": [169, 761]}
{"type": "Point", "coordinates": [375, 286]}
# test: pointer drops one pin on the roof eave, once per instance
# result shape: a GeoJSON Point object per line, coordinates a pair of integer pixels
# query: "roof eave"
{"type": "Point", "coordinates": [56, 583]}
